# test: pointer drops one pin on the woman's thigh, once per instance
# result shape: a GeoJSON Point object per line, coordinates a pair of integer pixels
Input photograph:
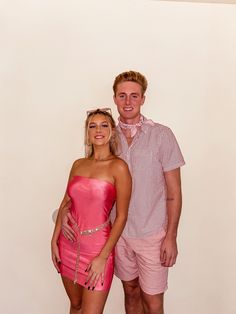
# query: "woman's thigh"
{"type": "Point", "coordinates": [93, 302]}
{"type": "Point", "coordinates": [74, 292]}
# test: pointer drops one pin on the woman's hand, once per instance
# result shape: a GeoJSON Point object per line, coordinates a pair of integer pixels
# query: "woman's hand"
{"type": "Point", "coordinates": [96, 271]}
{"type": "Point", "coordinates": [55, 256]}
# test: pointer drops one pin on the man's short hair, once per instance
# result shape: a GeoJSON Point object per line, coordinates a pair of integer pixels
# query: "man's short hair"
{"type": "Point", "coordinates": [131, 76]}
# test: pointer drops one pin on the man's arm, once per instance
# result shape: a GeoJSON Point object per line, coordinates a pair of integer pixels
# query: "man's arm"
{"type": "Point", "coordinates": [169, 250]}
{"type": "Point", "coordinates": [66, 222]}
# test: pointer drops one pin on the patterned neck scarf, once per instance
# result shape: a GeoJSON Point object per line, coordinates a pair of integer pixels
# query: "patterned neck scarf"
{"type": "Point", "coordinates": [132, 127]}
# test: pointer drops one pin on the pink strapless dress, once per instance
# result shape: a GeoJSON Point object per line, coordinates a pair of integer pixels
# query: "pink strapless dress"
{"type": "Point", "coordinates": [92, 200]}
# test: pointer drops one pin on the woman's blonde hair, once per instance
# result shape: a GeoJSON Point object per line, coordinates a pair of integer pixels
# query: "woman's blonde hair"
{"type": "Point", "coordinates": [113, 138]}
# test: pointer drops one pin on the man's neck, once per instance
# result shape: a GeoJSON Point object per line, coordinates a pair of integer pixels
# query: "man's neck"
{"type": "Point", "coordinates": [132, 121]}
{"type": "Point", "coordinates": [130, 127]}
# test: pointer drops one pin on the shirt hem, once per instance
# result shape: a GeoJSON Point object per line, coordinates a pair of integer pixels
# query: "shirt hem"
{"type": "Point", "coordinates": [180, 164]}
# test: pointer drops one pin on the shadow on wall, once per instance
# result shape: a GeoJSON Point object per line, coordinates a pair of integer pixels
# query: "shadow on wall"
{"type": "Point", "coordinates": [54, 215]}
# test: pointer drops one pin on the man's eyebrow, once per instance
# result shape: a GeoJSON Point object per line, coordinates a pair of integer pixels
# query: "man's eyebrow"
{"type": "Point", "coordinates": [133, 93]}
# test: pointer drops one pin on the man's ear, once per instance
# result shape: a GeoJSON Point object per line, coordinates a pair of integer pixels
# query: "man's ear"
{"type": "Point", "coordinates": [144, 97]}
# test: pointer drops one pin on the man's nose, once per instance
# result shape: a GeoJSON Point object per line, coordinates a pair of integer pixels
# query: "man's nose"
{"type": "Point", "coordinates": [127, 100]}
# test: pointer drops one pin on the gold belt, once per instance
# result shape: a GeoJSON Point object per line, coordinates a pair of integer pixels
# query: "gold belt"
{"type": "Point", "coordinates": [86, 233]}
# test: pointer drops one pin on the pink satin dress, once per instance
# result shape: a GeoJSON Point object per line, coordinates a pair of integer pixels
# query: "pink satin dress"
{"type": "Point", "coordinates": [92, 200]}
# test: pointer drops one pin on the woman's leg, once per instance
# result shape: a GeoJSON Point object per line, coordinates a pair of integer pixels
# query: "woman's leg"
{"type": "Point", "coordinates": [74, 292]}
{"type": "Point", "coordinates": [93, 301]}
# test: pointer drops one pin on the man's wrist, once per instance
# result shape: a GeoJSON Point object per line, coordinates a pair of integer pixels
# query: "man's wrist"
{"type": "Point", "coordinates": [171, 235]}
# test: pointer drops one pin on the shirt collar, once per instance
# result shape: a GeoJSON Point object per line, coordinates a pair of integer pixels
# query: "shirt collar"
{"type": "Point", "coordinates": [144, 128]}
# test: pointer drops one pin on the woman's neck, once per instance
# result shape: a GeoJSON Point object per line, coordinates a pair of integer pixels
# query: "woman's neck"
{"type": "Point", "coordinates": [101, 154]}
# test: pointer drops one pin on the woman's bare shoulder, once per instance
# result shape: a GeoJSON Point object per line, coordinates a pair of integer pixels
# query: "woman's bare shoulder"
{"type": "Point", "coordinates": [119, 164]}
{"type": "Point", "coordinates": [77, 163]}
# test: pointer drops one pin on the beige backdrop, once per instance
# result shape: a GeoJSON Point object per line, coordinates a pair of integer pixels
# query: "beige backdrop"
{"type": "Point", "coordinates": [59, 58]}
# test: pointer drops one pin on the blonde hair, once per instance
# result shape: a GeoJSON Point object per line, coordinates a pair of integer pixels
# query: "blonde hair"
{"type": "Point", "coordinates": [113, 138]}
{"type": "Point", "coordinates": [131, 76]}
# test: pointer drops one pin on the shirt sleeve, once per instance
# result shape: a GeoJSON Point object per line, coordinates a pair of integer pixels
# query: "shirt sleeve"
{"type": "Point", "coordinates": [170, 154]}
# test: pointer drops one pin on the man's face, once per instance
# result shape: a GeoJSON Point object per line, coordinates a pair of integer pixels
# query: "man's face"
{"type": "Point", "coordinates": [129, 100]}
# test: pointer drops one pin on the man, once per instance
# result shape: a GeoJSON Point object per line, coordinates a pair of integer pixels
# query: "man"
{"type": "Point", "coordinates": [147, 247]}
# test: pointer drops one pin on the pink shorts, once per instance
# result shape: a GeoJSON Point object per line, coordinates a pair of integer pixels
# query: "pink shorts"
{"type": "Point", "coordinates": [140, 257]}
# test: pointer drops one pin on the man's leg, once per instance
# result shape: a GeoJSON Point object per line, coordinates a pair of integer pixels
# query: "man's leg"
{"type": "Point", "coordinates": [153, 304]}
{"type": "Point", "coordinates": [152, 275]}
{"type": "Point", "coordinates": [127, 271]}
{"type": "Point", "coordinates": [140, 259]}
{"type": "Point", "coordinates": [133, 300]}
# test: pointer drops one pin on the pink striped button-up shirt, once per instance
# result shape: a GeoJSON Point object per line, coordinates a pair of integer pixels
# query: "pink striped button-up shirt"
{"type": "Point", "coordinates": [153, 151]}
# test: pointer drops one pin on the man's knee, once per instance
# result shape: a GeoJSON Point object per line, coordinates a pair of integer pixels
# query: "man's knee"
{"type": "Point", "coordinates": [153, 304]}
{"type": "Point", "coordinates": [153, 308]}
{"type": "Point", "coordinates": [133, 300]}
{"type": "Point", "coordinates": [131, 288]}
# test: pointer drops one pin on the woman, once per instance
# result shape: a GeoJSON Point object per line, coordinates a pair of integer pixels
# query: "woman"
{"type": "Point", "coordinates": [95, 183]}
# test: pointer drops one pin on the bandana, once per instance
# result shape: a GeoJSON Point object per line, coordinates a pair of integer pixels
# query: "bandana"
{"type": "Point", "coordinates": [132, 127]}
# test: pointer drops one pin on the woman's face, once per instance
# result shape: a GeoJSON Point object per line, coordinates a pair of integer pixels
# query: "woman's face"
{"type": "Point", "coordinates": [99, 130]}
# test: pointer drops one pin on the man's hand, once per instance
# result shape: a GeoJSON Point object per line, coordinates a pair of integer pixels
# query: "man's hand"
{"type": "Point", "coordinates": [67, 223]}
{"type": "Point", "coordinates": [169, 252]}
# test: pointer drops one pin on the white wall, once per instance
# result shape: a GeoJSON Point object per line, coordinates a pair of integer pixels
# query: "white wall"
{"type": "Point", "coordinates": [59, 58]}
